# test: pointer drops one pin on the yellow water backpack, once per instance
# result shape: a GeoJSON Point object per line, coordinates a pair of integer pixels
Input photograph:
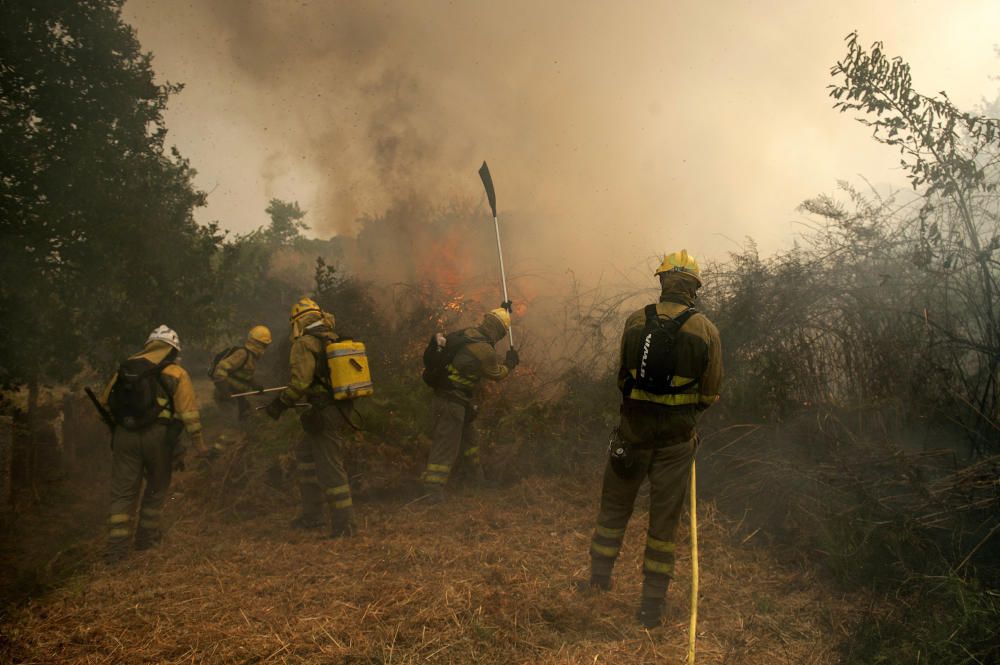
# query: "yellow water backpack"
{"type": "Point", "coordinates": [349, 374]}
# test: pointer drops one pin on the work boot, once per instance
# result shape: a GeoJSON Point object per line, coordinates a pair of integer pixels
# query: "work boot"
{"type": "Point", "coordinates": [115, 551]}
{"type": "Point", "coordinates": [654, 593]}
{"type": "Point", "coordinates": [596, 583]}
{"type": "Point", "coordinates": [434, 495]}
{"type": "Point", "coordinates": [147, 538]}
{"type": "Point", "coordinates": [479, 478]}
{"type": "Point", "coordinates": [343, 531]}
{"type": "Point", "coordinates": [307, 521]}
{"type": "Point", "coordinates": [343, 524]}
{"type": "Point", "coordinates": [650, 612]}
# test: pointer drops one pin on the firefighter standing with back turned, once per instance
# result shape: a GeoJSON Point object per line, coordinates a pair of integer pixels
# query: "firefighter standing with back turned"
{"type": "Point", "coordinates": [151, 401]}
{"type": "Point", "coordinates": [471, 357]}
{"type": "Point", "coordinates": [667, 379]}
{"type": "Point", "coordinates": [320, 451]}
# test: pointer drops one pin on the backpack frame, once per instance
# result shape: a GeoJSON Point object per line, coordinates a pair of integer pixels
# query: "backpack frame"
{"type": "Point", "coordinates": [655, 366]}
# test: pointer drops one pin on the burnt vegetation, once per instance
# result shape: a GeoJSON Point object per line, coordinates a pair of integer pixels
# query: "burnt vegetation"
{"type": "Point", "coordinates": [858, 436]}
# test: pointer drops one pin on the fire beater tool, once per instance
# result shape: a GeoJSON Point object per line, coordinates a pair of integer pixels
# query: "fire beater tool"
{"type": "Point", "coordinates": [484, 174]}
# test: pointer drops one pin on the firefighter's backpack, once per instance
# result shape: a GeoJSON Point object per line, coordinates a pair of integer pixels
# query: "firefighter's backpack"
{"type": "Point", "coordinates": [134, 400]}
{"type": "Point", "coordinates": [350, 377]}
{"type": "Point", "coordinates": [438, 356]}
{"type": "Point", "coordinates": [657, 359]}
{"type": "Point", "coordinates": [222, 355]}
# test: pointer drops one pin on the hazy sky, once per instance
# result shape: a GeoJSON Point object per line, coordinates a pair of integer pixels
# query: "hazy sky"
{"type": "Point", "coordinates": [623, 128]}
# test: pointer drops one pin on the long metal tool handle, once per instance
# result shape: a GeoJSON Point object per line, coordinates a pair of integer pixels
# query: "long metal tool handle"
{"type": "Point", "coordinates": [503, 277]}
{"type": "Point", "coordinates": [491, 195]}
{"type": "Point", "coordinates": [260, 392]}
{"type": "Point", "coordinates": [693, 629]}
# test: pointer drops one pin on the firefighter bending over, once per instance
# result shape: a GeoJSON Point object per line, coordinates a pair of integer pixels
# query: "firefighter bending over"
{"type": "Point", "coordinates": [670, 372]}
{"type": "Point", "coordinates": [233, 372]}
{"type": "Point", "coordinates": [454, 365]}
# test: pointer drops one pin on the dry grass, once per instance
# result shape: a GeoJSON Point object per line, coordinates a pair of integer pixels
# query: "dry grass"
{"type": "Point", "coordinates": [485, 578]}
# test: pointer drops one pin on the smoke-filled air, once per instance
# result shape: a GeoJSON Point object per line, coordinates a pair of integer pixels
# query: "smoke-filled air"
{"type": "Point", "coordinates": [466, 332]}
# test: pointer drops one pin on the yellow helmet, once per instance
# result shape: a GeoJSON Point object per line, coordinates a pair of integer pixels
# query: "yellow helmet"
{"type": "Point", "coordinates": [303, 306]}
{"type": "Point", "coordinates": [502, 315]}
{"type": "Point", "coordinates": [680, 262]}
{"type": "Point", "coordinates": [260, 334]}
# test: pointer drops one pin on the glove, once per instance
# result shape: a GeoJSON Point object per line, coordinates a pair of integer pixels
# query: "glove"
{"type": "Point", "coordinates": [508, 305]}
{"type": "Point", "coordinates": [512, 360]}
{"type": "Point", "coordinates": [259, 387]}
{"type": "Point", "coordinates": [276, 408]}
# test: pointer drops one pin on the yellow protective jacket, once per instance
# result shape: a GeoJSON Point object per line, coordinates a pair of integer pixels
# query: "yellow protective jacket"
{"type": "Point", "coordinates": [237, 369]}
{"type": "Point", "coordinates": [310, 378]}
{"type": "Point", "coordinates": [179, 389]}
{"type": "Point", "coordinates": [664, 419]}
{"type": "Point", "coordinates": [474, 362]}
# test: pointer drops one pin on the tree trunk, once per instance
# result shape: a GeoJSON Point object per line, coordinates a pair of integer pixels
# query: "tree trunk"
{"type": "Point", "coordinates": [30, 458]}
{"type": "Point", "coordinates": [70, 429]}
{"type": "Point", "coordinates": [6, 464]}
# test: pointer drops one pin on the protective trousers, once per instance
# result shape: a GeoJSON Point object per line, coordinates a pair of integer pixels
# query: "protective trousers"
{"type": "Point", "coordinates": [238, 415]}
{"type": "Point", "coordinates": [668, 469]}
{"type": "Point", "coordinates": [236, 410]}
{"type": "Point", "coordinates": [137, 456]}
{"type": "Point", "coordinates": [453, 434]}
{"type": "Point", "coordinates": [320, 458]}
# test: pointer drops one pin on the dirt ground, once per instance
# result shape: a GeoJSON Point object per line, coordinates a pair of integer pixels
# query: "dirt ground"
{"type": "Point", "coordinates": [488, 577]}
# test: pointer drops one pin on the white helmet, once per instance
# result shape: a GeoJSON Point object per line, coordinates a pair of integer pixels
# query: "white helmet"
{"type": "Point", "coordinates": [165, 334]}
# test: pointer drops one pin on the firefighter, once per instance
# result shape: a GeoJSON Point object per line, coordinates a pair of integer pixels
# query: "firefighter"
{"type": "Point", "coordinates": [234, 373]}
{"type": "Point", "coordinates": [320, 451]}
{"type": "Point", "coordinates": [151, 400]}
{"type": "Point", "coordinates": [657, 427]}
{"type": "Point", "coordinates": [452, 405]}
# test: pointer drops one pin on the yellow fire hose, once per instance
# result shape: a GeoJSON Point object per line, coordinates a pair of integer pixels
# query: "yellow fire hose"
{"type": "Point", "coordinates": [692, 630]}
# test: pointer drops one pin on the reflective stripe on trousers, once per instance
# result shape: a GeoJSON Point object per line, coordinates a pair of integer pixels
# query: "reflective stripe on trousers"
{"type": "Point", "coordinates": [339, 496]}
